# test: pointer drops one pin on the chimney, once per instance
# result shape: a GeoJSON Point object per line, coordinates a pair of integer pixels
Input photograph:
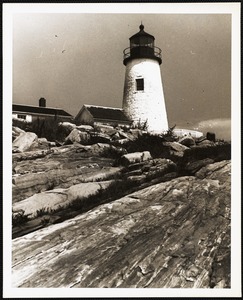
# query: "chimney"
{"type": "Point", "coordinates": [42, 102]}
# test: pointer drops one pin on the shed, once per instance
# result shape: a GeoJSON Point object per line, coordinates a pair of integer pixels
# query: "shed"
{"type": "Point", "coordinates": [93, 114]}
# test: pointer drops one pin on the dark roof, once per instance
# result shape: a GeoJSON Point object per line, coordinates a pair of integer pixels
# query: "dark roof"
{"type": "Point", "coordinates": [40, 110]}
{"type": "Point", "coordinates": [142, 33]}
{"type": "Point", "coordinates": [107, 113]}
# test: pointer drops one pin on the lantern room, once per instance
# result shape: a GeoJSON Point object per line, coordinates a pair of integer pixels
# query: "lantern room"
{"type": "Point", "coordinates": [142, 46]}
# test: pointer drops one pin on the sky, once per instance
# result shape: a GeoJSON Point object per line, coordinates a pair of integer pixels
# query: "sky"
{"type": "Point", "coordinates": [73, 59]}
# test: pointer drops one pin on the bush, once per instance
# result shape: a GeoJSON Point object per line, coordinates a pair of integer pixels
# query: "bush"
{"type": "Point", "coordinates": [43, 211]}
{"type": "Point", "coordinates": [19, 219]}
{"type": "Point", "coordinates": [216, 152]}
{"type": "Point", "coordinates": [49, 129]}
{"type": "Point", "coordinates": [147, 142]}
{"type": "Point", "coordinates": [141, 125]}
{"type": "Point", "coordinates": [22, 124]}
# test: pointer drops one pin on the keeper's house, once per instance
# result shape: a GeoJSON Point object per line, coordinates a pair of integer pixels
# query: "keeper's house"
{"type": "Point", "coordinates": [95, 115]}
{"type": "Point", "coordinates": [31, 113]}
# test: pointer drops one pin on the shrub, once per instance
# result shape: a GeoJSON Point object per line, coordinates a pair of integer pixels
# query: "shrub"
{"type": "Point", "coordinates": [141, 125]}
{"type": "Point", "coordinates": [22, 124]}
{"type": "Point", "coordinates": [44, 128]}
{"type": "Point", "coordinates": [146, 142]}
{"type": "Point", "coordinates": [217, 152]}
{"type": "Point", "coordinates": [49, 129]}
{"type": "Point", "coordinates": [169, 135]}
{"type": "Point", "coordinates": [19, 219]}
{"type": "Point", "coordinates": [43, 211]}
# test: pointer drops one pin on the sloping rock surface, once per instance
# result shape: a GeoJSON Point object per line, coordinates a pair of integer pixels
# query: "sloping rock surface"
{"type": "Point", "coordinates": [58, 168]}
{"type": "Point", "coordinates": [172, 234]}
{"type": "Point", "coordinates": [57, 198]}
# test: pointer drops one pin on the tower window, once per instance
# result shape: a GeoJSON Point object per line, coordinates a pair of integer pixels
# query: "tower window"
{"type": "Point", "coordinates": [140, 84]}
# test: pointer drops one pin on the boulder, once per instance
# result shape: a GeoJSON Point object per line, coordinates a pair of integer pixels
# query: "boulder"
{"type": "Point", "coordinates": [24, 141]}
{"type": "Point", "coordinates": [77, 136]}
{"type": "Point", "coordinates": [111, 132]}
{"type": "Point", "coordinates": [98, 137]}
{"type": "Point", "coordinates": [52, 144]}
{"type": "Point", "coordinates": [123, 135]}
{"type": "Point", "coordinates": [99, 146]}
{"type": "Point", "coordinates": [40, 144]}
{"type": "Point", "coordinates": [220, 171]}
{"type": "Point", "coordinates": [73, 137]}
{"type": "Point", "coordinates": [115, 136]}
{"type": "Point", "coordinates": [175, 146]}
{"type": "Point", "coordinates": [135, 157]}
{"type": "Point", "coordinates": [104, 128]}
{"type": "Point", "coordinates": [42, 141]}
{"type": "Point", "coordinates": [159, 168]}
{"type": "Point", "coordinates": [187, 141]}
{"type": "Point", "coordinates": [67, 125]}
{"type": "Point", "coordinates": [211, 136]}
{"type": "Point", "coordinates": [87, 128]}
{"type": "Point", "coordinates": [14, 136]}
{"type": "Point", "coordinates": [193, 167]}
{"type": "Point", "coordinates": [16, 131]}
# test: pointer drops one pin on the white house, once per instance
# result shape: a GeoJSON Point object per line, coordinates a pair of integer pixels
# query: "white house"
{"type": "Point", "coordinates": [30, 113]}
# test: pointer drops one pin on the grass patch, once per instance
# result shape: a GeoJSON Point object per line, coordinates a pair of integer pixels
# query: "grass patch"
{"type": "Point", "coordinates": [148, 142]}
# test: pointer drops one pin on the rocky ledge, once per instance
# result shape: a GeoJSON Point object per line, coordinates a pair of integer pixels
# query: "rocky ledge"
{"type": "Point", "coordinates": [173, 234]}
{"type": "Point", "coordinates": [103, 206]}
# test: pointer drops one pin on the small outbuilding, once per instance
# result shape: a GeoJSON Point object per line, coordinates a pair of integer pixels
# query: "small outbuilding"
{"type": "Point", "coordinates": [95, 115]}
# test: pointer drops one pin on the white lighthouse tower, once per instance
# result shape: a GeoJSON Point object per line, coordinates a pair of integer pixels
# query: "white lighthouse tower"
{"type": "Point", "coordinates": [143, 98]}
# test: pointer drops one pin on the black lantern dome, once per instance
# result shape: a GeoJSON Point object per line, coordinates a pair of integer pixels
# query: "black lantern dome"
{"type": "Point", "coordinates": [142, 46]}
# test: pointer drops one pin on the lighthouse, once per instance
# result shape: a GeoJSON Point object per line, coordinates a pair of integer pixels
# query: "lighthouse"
{"type": "Point", "coordinates": [143, 97]}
